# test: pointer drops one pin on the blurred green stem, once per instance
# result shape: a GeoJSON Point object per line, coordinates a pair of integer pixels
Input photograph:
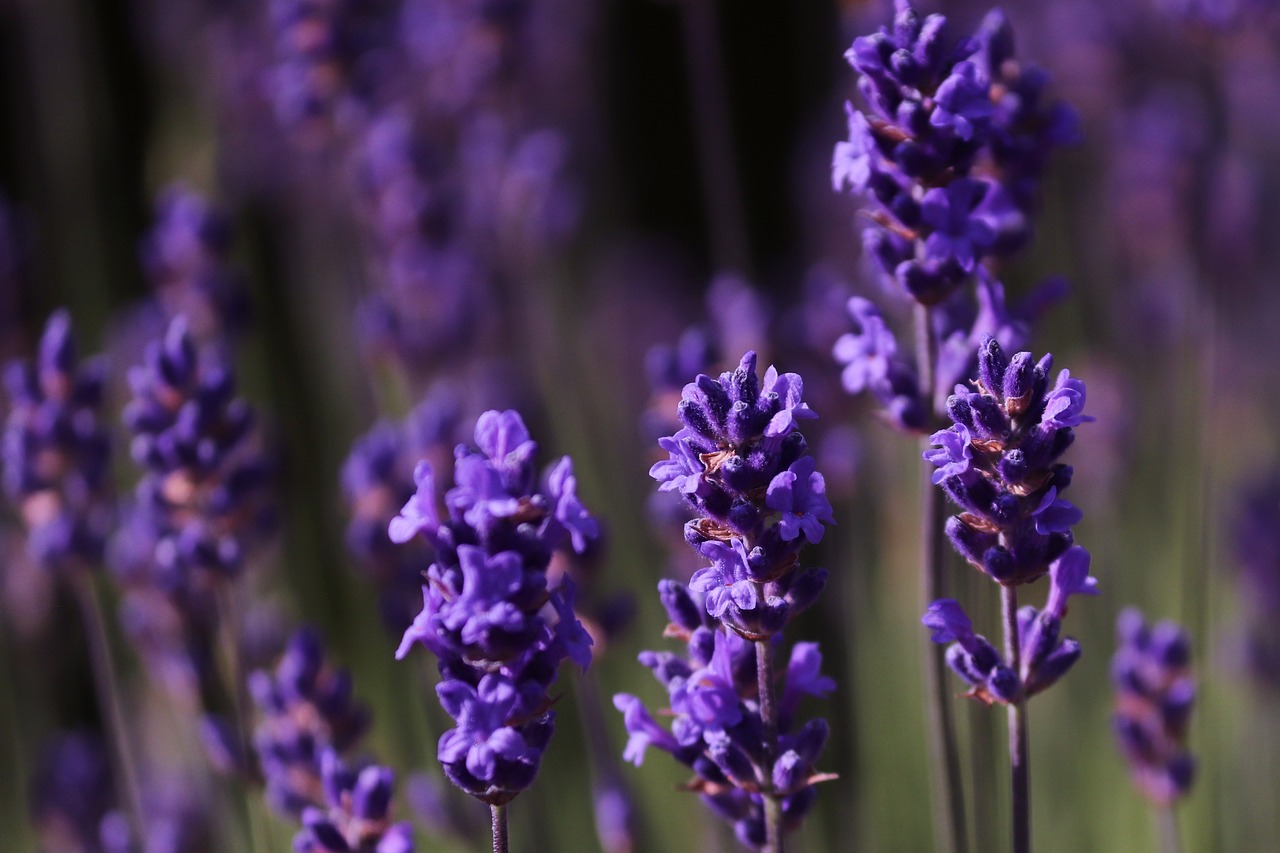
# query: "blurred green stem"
{"type": "Point", "coordinates": [237, 690]}
{"type": "Point", "coordinates": [950, 830]}
{"type": "Point", "coordinates": [1167, 828]}
{"type": "Point", "coordinates": [1019, 768]}
{"type": "Point", "coordinates": [107, 686]}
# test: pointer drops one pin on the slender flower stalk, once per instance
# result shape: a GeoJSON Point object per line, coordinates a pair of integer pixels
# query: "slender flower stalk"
{"type": "Point", "coordinates": [498, 826]}
{"type": "Point", "coordinates": [949, 150]}
{"type": "Point", "coordinates": [498, 631]}
{"type": "Point", "coordinates": [1019, 745]}
{"type": "Point", "coordinates": [741, 463]}
{"type": "Point", "coordinates": [949, 814]}
{"type": "Point", "coordinates": [999, 463]}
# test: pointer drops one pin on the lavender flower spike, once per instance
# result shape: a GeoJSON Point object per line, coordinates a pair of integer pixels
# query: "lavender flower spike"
{"type": "Point", "coordinates": [498, 631]}
{"type": "Point", "coordinates": [357, 818]}
{"type": "Point", "coordinates": [742, 465]}
{"type": "Point", "coordinates": [1154, 691]}
{"type": "Point", "coordinates": [56, 451]}
{"type": "Point", "coordinates": [999, 463]}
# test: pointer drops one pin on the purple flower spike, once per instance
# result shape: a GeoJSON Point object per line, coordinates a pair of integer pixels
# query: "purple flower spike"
{"type": "Point", "coordinates": [499, 632]}
{"type": "Point", "coordinates": [57, 451]}
{"type": "Point", "coordinates": [948, 150]}
{"type": "Point", "coordinates": [1154, 693]}
{"type": "Point", "coordinates": [743, 467]}
{"type": "Point", "coordinates": [999, 463]}
{"type": "Point", "coordinates": [800, 494]}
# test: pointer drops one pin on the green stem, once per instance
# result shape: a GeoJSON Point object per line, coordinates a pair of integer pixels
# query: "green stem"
{"type": "Point", "coordinates": [237, 690]}
{"type": "Point", "coordinates": [769, 723]}
{"type": "Point", "coordinates": [950, 830]}
{"type": "Point", "coordinates": [1019, 766]}
{"type": "Point", "coordinates": [107, 686]}
{"type": "Point", "coordinates": [498, 823]}
{"type": "Point", "coordinates": [1167, 827]}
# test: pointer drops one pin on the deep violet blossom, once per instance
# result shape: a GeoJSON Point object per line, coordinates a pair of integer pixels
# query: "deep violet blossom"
{"type": "Point", "coordinates": [1046, 656]}
{"type": "Point", "coordinates": [357, 817]}
{"type": "Point", "coordinates": [949, 150]}
{"type": "Point", "coordinates": [56, 451]}
{"type": "Point", "coordinates": [1154, 693]}
{"type": "Point", "coordinates": [498, 630]}
{"type": "Point", "coordinates": [307, 711]}
{"type": "Point", "coordinates": [999, 462]}
{"type": "Point", "coordinates": [741, 463]}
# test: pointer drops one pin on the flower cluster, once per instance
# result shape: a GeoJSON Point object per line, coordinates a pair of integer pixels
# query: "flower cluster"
{"type": "Point", "coordinates": [186, 257]}
{"type": "Point", "coordinates": [740, 461]}
{"type": "Point", "coordinates": [1046, 655]}
{"type": "Point", "coordinates": [307, 712]}
{"type": "Point", "coordinates": [202, 490]}
{"type": "Point", "coordinates": [201, 504]}
{"type": "Point", "coordinates": [951, 150]}
{"type": "Point", "coordinates": [1155, 692]}
{"type": "Point", "coordinates": [716, 727]}
{"type": "Point", "coordinates": [1257, 552]}
{"type": "Point", "coordinates": [56, 451]}
{"type": "Point", "coordinates": [999, 463]}
{"type": "Point", "coordinates": [873, 364]}
{"type": "Point", "coordinates": [357, 818]}
{"type": "Point", "coordinates": [377, 479]}
{"type": "Point", "coordinates": [499, 633]}
{"type": "Point", "coordinates": [325, 54]}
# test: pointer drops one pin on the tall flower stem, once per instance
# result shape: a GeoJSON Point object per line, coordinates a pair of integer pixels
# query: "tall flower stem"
{"type": "Point", "coordinates": [1167, 827]}
{"type": "Point", "coordinates": [769, 723]}
{"type": "Point", "coordinates": [1019, 767]}
{"type": "Point", "coordinates": [498, 823]}
{"type": "Point", "coordinates": [948, 793]}
{"type": "Point", "coordinates": [237, 690]}
{"type": "Point", "coordinates": [107, 686]}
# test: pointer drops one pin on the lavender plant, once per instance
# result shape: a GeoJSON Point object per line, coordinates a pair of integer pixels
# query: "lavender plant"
{"type": "Point", "coordinates": [999, 463]}
{"type": "Point", "coordinates": [186, 256]}
{"type": "Point", "coordinates": [949, 152]}
{"type": "Point", "coordinates": [1257, 557]}
{"type": "Point", "coordinates": [742, 464]}
{"type": "Point", "coordinates": [309, 719]}
{"type": "Point", "coordinates": [56, 457]}
{"type": "Point", "coordinates": [498, 631]}
{"type": "Point", "coordinates": [199, 508]}
{"type": "Point", "coordinates": [1154, 694]}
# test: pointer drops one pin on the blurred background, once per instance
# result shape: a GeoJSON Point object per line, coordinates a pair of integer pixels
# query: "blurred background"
{"type": "Point", "coordinates": [403, 212]}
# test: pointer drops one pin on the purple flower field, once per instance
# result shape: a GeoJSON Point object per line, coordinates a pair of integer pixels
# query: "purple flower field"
{"type": "Point", "coordinates": [635, 426]}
